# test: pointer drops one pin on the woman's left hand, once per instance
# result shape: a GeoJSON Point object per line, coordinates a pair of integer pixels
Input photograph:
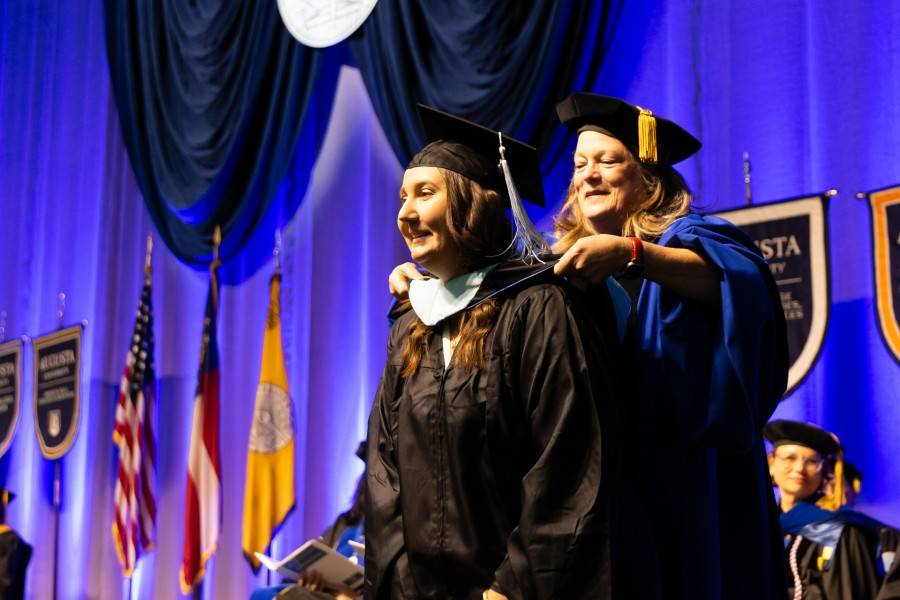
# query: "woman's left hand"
{"type": "Point", "coordinates": [492, 595]}
{"type": "Point", "coordinates": [595, 257]}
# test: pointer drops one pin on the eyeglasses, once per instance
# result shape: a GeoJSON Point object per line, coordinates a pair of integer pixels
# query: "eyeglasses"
{"type": "Point", "coordinates": [811, 464]}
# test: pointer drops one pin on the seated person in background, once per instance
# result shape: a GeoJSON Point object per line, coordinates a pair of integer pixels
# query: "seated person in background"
{"type": "Point", "coordinates": [852, 481]}
{"type": "Point", "coordinates": [890, 588]}
{"type": "Point", "coordinates": [346, 528]}
{"type": "Point", "coordinates": [888, 536]}
{"type": "Point", "coordinates": [14, 555]}
{"type": "Point", "coordinates": [829, 554]}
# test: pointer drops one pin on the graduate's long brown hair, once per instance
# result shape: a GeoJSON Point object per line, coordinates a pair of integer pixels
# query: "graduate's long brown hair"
{"type": "Point", "coordinates": [481, 233]}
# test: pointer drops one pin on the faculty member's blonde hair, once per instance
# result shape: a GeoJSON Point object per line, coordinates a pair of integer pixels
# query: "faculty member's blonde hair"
{"type": "Point", "coordinates": [667, 199]}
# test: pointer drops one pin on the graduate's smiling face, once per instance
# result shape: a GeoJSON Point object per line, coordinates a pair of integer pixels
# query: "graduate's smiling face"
{"type": "Point", "coordinates": [606, 181]}
{"type": "Point", "coordinates": [423, 222]}
{"type": "Point", "coordinates": [796, 470]}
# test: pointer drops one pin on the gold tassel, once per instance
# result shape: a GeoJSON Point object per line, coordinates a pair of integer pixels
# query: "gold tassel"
{"type": "Point", "coordinates": [647, 151]}
{"type": "Point", "coordinates": [837, 498]}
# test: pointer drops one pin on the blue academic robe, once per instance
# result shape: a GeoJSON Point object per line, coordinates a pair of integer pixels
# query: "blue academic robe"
{"type": "Point", "coordinates": [707, 383]}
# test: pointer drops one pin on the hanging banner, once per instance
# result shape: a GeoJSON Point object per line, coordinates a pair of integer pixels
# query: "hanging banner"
{"type": "Point", "coordinates": [792, 236]}
{"type": "Point", "coordinates": [321, 23]}
{"type": "Point", "coordinates": [57, 382]}
{"type": "Point", "coordinates": [884, 208]}
{"type": "Point", "coordinates": [10, 391]}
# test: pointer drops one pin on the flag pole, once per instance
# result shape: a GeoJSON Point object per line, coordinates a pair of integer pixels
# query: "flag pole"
{"type": "Point", "coordinates": [276, 252]}
{"type": "Point", "coordinates": [148, 260]}
{"type": "Point", "coordinates": [197, 592]}
{"type": "Point", "coordinates": [748, 192]}
{"type": "Point", "coordinates": [148, 277]}
{"type": "Point", "coordinates": [217, 241]}
{"type": "Point", "coordinates": [276, 255]}
{"type": "Point", "coordinates": [57, 470]}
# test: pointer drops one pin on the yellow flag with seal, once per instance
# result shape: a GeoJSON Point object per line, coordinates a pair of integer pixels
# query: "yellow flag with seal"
{"type": "Point", "coordinates": [269, 489]}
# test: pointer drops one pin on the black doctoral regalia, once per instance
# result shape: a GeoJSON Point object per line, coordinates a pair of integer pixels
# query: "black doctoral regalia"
{"type": "Point", "coordinates": [497, 477]}
{"type": "Point", "coordinates": [14, 557]}
{"type": "Point", "coordinates": [15, 553]}
{"type": "Point", "coordinates": [890, 546]}
{"type": "Point", "coordinates": [832, 555]}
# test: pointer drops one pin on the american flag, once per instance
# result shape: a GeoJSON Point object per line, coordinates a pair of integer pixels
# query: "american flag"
{"type": "Point", "coordinates": [203, 502]}
{"type": "Point", "coordinates": [134, 528]}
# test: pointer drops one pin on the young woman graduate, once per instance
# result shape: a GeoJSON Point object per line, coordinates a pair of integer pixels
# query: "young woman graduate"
{"type": "Point", "coordinates": [708, 348]}
{"type": "Point", "coordinates": [829, 552]}
{"type": "Point", "coordinates": [487, 471]}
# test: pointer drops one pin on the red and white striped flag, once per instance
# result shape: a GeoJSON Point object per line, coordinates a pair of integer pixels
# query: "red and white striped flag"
{"type": "Point", "coordinates": [134, 527]}
{"type": "Point", "coordinates": [203, 504]}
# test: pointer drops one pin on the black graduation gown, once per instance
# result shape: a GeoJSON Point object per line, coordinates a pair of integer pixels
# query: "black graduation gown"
{"type": "Point", "coordinates": [492, 477]}
{"type": "Point", "coordinates": [838, 555]}
{"type": "Point", "coordinates": [14, 557]}
{"type": "Point", "coordinates": [890, 588]}
{"type": "Point", "coordinates": [851, 574]}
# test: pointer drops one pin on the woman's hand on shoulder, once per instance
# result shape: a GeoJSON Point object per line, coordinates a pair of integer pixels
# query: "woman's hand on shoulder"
{"type": "Point", "coordinates": [594, 258]}
{"type": "Point", "coordinates": [492, 595]}
{"type": "Point", "coordinates": [398, 282]}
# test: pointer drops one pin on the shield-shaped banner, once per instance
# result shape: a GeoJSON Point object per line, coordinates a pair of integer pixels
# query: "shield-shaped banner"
{"type": "Point", "coordinates": [792, 236]}
{"type": "Point", "coordinates": [10, 391]}
{"type": "Point", "coordinates": [57, 384]}
{"type": "Point", "coordinates": [885, 210]}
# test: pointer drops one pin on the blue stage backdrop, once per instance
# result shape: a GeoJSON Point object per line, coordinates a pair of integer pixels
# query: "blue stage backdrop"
{"type": "Point", "coordinates": [808, 88]}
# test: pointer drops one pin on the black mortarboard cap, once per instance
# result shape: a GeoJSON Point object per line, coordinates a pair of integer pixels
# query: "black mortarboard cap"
{"type": "Point", "coordinates": [852, 473]}
{"type": "Point", "coordinates": [650, 138]}
{"type": "Point", "coordinates": [473, 150]}
{"type": "Point", "coordinates": [801, 434]}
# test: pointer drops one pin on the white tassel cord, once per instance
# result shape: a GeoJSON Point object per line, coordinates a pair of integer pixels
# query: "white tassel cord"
{"type": "Point", "coordinates": [529, 241]}
{"type": "Point", "coordinates": [795, 570]}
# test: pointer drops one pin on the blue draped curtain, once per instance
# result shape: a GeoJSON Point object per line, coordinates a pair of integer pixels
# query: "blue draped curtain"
{"type": "Point", "coordinates": [505, 64]}
{"type": "Point", "coordinates": [212, 99]}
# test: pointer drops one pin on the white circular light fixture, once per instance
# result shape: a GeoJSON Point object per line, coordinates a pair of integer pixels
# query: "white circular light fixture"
{"type": "Point", "coordinates": [321, 23]}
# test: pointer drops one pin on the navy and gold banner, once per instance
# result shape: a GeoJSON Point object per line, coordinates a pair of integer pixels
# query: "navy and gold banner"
{"type": "Point", "coordinates": [57, 383]}
{"type": "Point", "coordinates": [884, 208]}
{"type": "Point", "coordinates": [10, 391]}
{"type": "Point", "coordinates": [792, 236]}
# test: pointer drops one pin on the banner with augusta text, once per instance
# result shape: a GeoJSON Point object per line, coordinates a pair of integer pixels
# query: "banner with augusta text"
{"type": "Point", "coordinates": [10, 391]}
{"type": "Point", "coordinates": [57, 384]}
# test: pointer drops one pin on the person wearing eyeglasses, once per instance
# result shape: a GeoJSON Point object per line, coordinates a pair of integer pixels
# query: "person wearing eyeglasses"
{"type": "Point", "coordinates": [829, 553]}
